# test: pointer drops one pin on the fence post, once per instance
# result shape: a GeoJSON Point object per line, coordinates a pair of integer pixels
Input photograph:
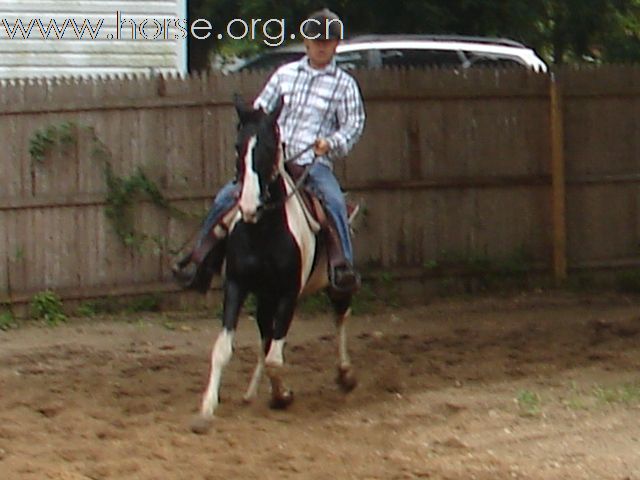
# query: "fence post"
{"type": "Point", "coordinates": [558, 184]}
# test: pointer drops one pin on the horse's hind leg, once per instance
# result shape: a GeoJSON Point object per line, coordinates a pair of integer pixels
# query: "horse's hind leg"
{"type": "Point", "coordinates": [220, 356]}
{"type": "Point", "coordinates": [346, 379]}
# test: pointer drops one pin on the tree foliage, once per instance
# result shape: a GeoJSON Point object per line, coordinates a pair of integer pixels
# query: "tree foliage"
{"type": "Point", "coordinates": [563, 31]}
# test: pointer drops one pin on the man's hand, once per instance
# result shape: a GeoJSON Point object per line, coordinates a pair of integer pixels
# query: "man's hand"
{"type": "Point", "coordinates": [321, 147]}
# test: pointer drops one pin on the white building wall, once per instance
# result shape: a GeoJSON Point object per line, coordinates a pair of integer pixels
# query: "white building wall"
{"type": "Point", "coordinates": [152, 37]}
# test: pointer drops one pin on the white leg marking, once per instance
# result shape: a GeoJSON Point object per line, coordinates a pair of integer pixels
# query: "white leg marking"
{"type": "Point", "coordinates": [275, 358]}
{"type": "Point", "coordinates": [220, 356]}
{"type": "Point", "coordinates": [346, 379]}
{"type": "Point", "coordinates": [252, 391]}
{"type": "Point", "coordinates": [281, 396]}
{"type": "Point", "coordinates": [343, 354]}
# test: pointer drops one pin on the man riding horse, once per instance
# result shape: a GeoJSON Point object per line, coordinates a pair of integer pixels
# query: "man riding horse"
{"type": "Point", "coordinates": [321, 120]}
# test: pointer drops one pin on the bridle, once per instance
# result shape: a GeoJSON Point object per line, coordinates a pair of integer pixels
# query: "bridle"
{"type": "Point", "coordinates": [265, 206]}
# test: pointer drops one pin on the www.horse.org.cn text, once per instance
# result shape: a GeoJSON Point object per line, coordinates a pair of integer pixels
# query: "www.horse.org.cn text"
{"type": "Point", "coordinates": [272, 32]}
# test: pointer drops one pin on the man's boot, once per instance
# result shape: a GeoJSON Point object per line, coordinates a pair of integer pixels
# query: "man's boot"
{"type": "Point", "coordinates": [195, 270]}
{"type": "Point", "coordinates": [343, 277]}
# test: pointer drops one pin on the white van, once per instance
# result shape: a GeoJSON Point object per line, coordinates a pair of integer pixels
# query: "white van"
{"type": "Point", "coordinates": [374, 51]}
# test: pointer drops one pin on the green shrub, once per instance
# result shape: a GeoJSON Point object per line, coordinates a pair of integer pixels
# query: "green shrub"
{"type": "Point", "coordinates": [47, 306]}
{"type": "Point", "coordinates": [628, 281]}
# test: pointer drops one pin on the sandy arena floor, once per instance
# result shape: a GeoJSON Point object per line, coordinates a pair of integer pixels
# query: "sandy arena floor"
{"type": "Point", "coordinates": [530, 387]}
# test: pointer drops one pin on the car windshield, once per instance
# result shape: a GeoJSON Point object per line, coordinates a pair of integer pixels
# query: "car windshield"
{"type": "Point", "coordinates": [271, 60]}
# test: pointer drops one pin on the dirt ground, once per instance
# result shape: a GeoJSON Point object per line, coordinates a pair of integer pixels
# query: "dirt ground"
{"type": "Point", "coordinates": [533, 386]}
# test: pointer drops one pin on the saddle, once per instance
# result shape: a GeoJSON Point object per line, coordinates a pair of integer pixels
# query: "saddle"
{"type": "Point", "coordinates": [314, 205]}
{"type": "Point", "coordinates": [316, 210]}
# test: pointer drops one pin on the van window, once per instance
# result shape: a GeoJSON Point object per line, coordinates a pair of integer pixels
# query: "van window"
{"type": "Point", "coordinates": [414, 57]}
{"type": "Point", "coordinates": [355, 59]}
{"type": "Point", "coordinates": [477, 59]}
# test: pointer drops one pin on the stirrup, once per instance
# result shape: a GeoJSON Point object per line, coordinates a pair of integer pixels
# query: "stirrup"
{"type": "Point", "coordinates": [184, 272]}
{"type": "Point", "coordinates": [344, 279]}
{"type": "Point", "coordinates": [194, 274]}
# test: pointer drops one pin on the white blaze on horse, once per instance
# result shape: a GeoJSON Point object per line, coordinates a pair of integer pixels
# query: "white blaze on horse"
{"type": "Point", "coordinates": [273, 250]}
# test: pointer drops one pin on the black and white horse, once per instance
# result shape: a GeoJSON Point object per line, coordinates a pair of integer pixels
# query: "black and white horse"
{"type": "Point", "coordinates": [273, 252]}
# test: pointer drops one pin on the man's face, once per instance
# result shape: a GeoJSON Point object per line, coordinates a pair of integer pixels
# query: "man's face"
{"type": "Point", "coordinates": [320, 52]}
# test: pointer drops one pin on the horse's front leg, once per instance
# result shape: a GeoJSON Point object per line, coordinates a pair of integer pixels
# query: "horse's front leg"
{"type": "Point", "coordinates": [252, 390]}
{"type": "Point", "coordinates": [281, 396]}
{"type": "Point", "coordinates": [265, 313]}
{"type": "Point", "coordinates": [346, 379]}
{"type": "Point", "coordinates": [234, 297]}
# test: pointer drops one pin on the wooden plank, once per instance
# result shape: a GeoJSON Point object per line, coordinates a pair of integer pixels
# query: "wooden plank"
{"type": "Point", "coordinates": [453, 222]}
{"type": "Point", "coordinates": [602, 222]}
{"type": "Point", "coordinates": [16, 228]}
{"type": "Point", "coordinates": [5, 257]}
{"type": "Point", "coordinates": [10, 159]}
{"type": "Point", "coordinates": [621, 81]}
{"type": "Point", "coordinates": [588, 142]}
{"type": "Point", "coordinates": [508, 221]}
{"type": "Point", "coordinates": [558, 189]}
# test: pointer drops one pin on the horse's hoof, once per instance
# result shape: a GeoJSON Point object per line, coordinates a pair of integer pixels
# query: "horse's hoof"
{"type": "Point", "coordinates": [281, 402]}
{"type": "Point", "coordinates": [201, 424]}
{"type": "Point", "coordinates": [346, 379]}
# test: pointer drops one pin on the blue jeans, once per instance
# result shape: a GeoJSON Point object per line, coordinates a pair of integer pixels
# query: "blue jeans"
{"type": "Point", "coordinates": [222, 202]}
{"type": "Point", "coordinates": [323, 183]}
{"type": "Point", "coordinates": [321, 180]}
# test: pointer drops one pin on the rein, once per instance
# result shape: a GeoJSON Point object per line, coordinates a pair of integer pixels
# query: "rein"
{"type": "Point", "coordinates": [300, 153]}
{"type": "Point", "coordinates": [299, 182]}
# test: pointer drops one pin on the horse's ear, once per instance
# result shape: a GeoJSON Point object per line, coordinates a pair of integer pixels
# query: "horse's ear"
{"type": "Point", "coordinates": [273, 116]}
{"type": "Point", "coordinates": [245, 112]}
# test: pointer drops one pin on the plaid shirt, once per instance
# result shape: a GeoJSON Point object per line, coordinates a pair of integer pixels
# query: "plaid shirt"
{"type": "Point", "coordinates": [317, 104]}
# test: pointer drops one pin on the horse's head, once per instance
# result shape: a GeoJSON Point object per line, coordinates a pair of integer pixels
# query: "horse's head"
{"type": "Point", "coordinates": [258, 156]}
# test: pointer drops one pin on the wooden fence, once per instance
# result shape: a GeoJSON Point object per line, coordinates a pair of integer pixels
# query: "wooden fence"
{"type": "Point", "coordinates": [450, 164]}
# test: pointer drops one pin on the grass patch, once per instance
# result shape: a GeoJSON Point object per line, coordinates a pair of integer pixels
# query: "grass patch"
{"type": "Point", "coordinates": [315, 304]}
{"type": "Point", "coordinates": [582, 282]}
{"type": "Point", "coordinates": [479, 272]}
{"type": "Point", "coordinates": [626, 394]}
{"type": "Point", "coordinates": [7, 321]}
{"type": "Point", "coordinates": [576, 399]}
{"type": "Point", "coordinates": [145, 303]}
{"type": "Point", "coordinates": [366, 301]}
{"type": "Point", "coordinates": [111, 306]}
{"type": "Point", "coordinates": [598, 396]}
{"type": "Point", "coordinates": [528, 403]}
{"type": "Point", "coordinates": [628, 281]}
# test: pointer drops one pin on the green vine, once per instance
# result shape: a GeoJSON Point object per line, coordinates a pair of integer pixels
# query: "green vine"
{"type": "Point", "coordinates": [46, 138]}
{"type": "Point", "coordinates": [121, 191]}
